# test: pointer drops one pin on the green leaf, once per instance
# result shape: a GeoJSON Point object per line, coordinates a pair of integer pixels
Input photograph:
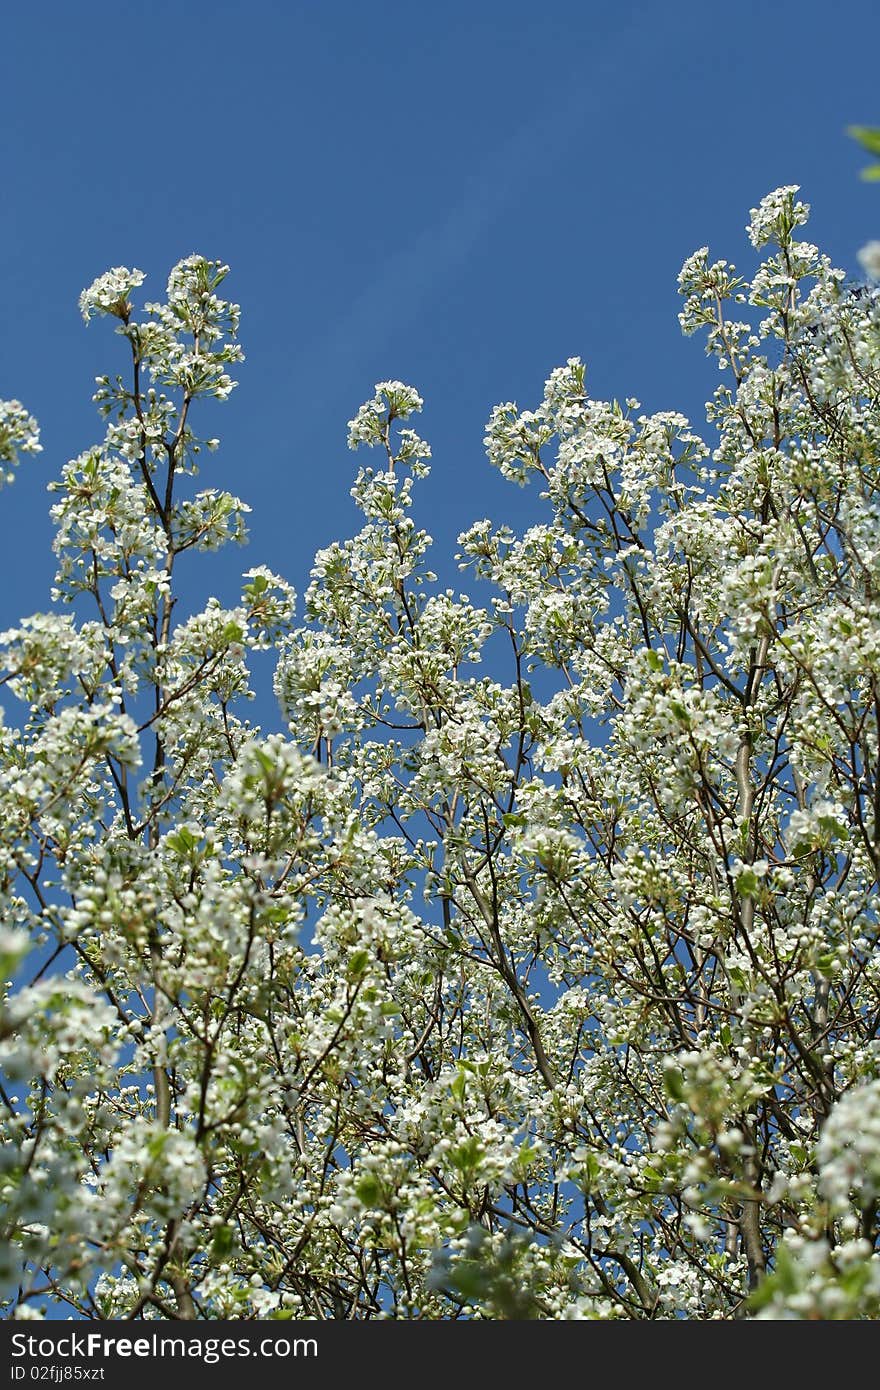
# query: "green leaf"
{"type": "Point", "coordinates": [221, 1243]}
{"type": "Point", "coordinates": [655, 660]}
{"type": "Point", "coordinates": [747, 883]}
{"type": "Point", "coordinates": [368, 1189]}
{"type": "Point", "coordinates": [525, 1154]}
{"type": "Point", "coordinates": [833, 827]}
{"type": "Point", "coordinates": [156, 1145]}
{"type": "Point", "coordinates": [589, 1172]}
{"type": "Point", "coordinates": [466, 1157]}
{"type": "Point", "coordinates": [867, 136]}
{"type": "Point", "coordinates": [786, 1274]}
{"type": "Point", "coordinates": [469, 1281]}
{"type": "Point", "coordinates": [737, 977]}
{"type": "Point", "coordinates": [358, 963]}
{"type": "Point", "coordinates": [827, 964]}
{"type": "Point", "coordinates": [673, 1082]}
{"type": "Point", "coordinates": [869, 139]}
{"type": "Point", "coordinates": [181, 841]}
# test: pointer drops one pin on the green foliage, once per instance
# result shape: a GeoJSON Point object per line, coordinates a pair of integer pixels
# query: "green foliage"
{"type": "Point", "coordinates": [869, 139]}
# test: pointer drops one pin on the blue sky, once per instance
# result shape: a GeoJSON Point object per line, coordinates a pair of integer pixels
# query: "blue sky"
{"type": "Point", "coordinates": [459, 195]}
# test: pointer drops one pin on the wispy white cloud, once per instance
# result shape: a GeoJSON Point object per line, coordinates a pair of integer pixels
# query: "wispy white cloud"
{"type": "Point", "coordinates": [412, 275]}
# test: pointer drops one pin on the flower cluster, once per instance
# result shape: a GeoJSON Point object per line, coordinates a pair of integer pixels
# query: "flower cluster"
{"type": "Point", "coordinates": [532, 970]}
{"type": "Point", "coordinates": [19, 433]}
{"type": "Point", "coordinates": [109, 294]}
{"type": "Point", "coordinates": [393, 401]}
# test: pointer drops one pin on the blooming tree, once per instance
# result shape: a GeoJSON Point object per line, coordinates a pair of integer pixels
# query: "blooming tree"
{"type": "Point", "coordinates": [532, 971]}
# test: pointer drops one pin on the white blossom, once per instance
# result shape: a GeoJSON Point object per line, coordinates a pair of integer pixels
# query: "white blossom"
{"type": "Point", "coordinates": [531, 970]}
{"type": "Point", "coordinates": [109, 294]}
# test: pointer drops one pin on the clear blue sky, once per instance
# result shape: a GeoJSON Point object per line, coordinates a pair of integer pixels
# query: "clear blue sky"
{"type": "Point", "coordinates": [460, 195]}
